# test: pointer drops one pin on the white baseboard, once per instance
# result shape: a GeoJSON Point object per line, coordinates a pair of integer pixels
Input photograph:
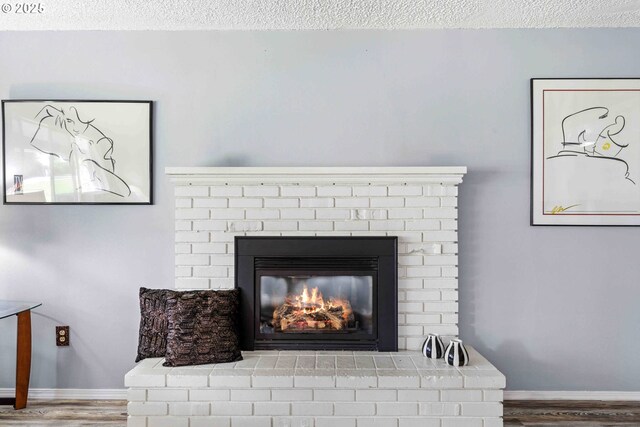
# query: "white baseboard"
{"type": "Point", "coordinates": [121, 394]}
{"type": "Point", "coordinates": [570, 395]}
{"type": "Point", "coordinates": [71, 393]}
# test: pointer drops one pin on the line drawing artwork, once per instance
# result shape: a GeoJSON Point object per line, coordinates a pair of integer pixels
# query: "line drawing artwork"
{"type": "Point", "coordinates": [84, 146]}
{"type": "Point", "coordinates": [590, 160]}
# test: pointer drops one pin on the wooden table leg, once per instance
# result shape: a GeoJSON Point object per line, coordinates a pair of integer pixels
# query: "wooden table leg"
{"type": "Point", "coordinates": [23, 359]}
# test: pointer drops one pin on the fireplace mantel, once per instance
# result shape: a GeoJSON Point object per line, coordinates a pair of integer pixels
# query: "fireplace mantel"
{"type": "Point", "coordinates": [317, 175]}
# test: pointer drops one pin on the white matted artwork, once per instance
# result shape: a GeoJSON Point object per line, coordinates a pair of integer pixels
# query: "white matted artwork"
{"type": "Point", "coordinates": [77, 152]}
{"type": "Point", "coordinates": [585, 152]}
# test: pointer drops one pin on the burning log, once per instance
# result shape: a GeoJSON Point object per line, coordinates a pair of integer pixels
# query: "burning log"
{"type": "Point", "coordinates": [310, 312]}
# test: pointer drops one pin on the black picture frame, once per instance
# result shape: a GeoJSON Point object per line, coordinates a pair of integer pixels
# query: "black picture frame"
{"type": "Point", "coordinates": [77, 152]}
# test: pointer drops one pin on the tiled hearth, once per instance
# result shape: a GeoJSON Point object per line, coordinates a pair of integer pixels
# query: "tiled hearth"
{"type": "Point", "coordinates": [317, 389]}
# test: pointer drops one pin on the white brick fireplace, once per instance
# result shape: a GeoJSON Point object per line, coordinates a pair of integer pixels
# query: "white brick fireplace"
{"type": "Point", "coordinates": [416, 204]}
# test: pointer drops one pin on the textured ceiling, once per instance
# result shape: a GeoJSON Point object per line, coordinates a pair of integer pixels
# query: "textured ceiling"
{"type": "Point", "coordinates": [317, 14]}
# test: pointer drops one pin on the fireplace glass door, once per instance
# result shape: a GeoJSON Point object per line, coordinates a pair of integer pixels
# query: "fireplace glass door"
{"type": "Point", "coordinates": [339, 304]}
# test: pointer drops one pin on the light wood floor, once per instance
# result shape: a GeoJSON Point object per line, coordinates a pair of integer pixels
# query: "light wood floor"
{"type": "Point", "coordinates": [73, 413]}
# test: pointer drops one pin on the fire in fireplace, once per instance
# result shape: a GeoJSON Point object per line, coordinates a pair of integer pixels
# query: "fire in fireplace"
{"type": "Point", "coordinates": [309, 310]}
{"type": "Point", "coordinates": [318, 292]}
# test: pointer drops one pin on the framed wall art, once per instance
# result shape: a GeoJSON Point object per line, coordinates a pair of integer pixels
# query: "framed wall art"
{"type": "Point", "coordinates": [585, 159]}
{"type": "Point", "coordinates": [77, 152]}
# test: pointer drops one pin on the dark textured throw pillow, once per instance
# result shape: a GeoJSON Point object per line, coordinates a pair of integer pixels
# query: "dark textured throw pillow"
{"type": "Point", "coordinates": [203, 328]}
{"type": "Point", "coordinates": [152, 338]}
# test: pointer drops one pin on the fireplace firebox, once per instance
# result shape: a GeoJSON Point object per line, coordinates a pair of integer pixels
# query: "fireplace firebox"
{"type": "Point", "coordinates": [318, 293]}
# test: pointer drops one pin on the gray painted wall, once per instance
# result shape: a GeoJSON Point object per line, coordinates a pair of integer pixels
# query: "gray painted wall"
{"type": "Point", "coordinates": [553, 308]}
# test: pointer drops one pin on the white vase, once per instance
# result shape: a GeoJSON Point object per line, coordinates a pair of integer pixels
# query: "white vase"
{"type": "Point", "coordinates": [433, 347]}
{"type": "Point", "coordinates": [456, 354]}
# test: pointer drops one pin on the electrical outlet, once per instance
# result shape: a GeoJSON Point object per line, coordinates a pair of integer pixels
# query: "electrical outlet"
{"type": "Point", "coordinates": [62, 336]}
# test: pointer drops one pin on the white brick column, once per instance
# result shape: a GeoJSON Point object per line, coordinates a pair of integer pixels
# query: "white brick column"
{"type": "Point", "coordinates": [417, 204]}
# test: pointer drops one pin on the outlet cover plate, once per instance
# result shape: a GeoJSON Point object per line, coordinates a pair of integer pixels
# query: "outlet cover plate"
{"type": "Point", "coordinates": [62, 336]}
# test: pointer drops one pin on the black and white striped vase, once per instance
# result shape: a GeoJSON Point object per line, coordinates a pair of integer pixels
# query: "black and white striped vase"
{"type": "Point", "coordinates": [456, 354]}
{"type": "Point", "coordinates": [433, 347]}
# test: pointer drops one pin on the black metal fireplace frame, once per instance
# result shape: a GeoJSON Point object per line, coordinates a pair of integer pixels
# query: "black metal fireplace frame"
{"type": "Point", "coordinates": [383, 249]}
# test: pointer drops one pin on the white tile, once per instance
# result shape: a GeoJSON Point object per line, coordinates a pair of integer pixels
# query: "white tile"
{"type": "Point", "coordinates": [244, 226]}
{"type": "Point", "coordinates": [189, 408]}
{"type": "Point", "coordinates": [426, 224]}
{"type": "Point", "coordinates": [186, 377]}
{"type": "Point", "coordinates": [357, 381]}
{"type": "Point", "coordinates": [297, 191]}
{"type": "Point", "coordinates": [405, 190]}
{"type": "Point", "coordinates": [292, 395]}
{"type": "Point", "coordinates": [317, 202]}
{"type": "Point", "coordinates": [407, 213]}
{"type": "Point", "coordinates": [136, 421]}
{"type": "Point", "coordinates": [293, 422]}
{"type": "Point", "coordinates": [387, 202]}
{"type": "Point", "coordinates": [272, 408]}
{"type": "Point", "coordinates": [218, 202]}
{"type": "Point", "coordinates": [353, 202]}
{"type": "Point", "coordinates": [312, 408]}
{"type": "Point", "coordinates": [396, 409]}
{"type": "Point", "coordinates": [231, 408]}
{"type": "Point", "coordinates": [335, 422]}
{"type": "Point", "coordinates": [461, 422]}
{"type": "Point", "coordinates": [481, 409]}
{"type": "Point", "coordinates": [461, 395]}
{"type": "Point", "coordinates": [227, 213]}
{"type": "Point", "coordinates": [378, 422]}
{"type": "Point", "coordinates": [386, 225]}
{"type": "Point", "coordinates": [292, 213]}
{"type": "Point", "coordinates": [354, 408]}
{"type": "Point", "coordinates": [282, 203]}
{"type": "Point", "coordinates": [439, 409]}
{"type": "Point", "coordinates": [261, 191]}
{"type": "Point", "coordinates": [209, 421]}
{"type": "Point", "coordinates": [271, 380]}
{"type": "Point", "coordinates": [370, 190]}
{"type": "Point", "coordinates": [145, 378]}
{"type": "Point", "coordinates": [418, 395]}
{"type": "Point", "coordinates": [250, 395]}
{"type": "Point", "coordinates": [147, 408]}
{"type": "Point", "coordinates": [136, 395]}
{"type": "Point", "coordinates": [262, 214]}
{"type": "Point", "coordinates": [337, 214]}
{"type": "Point", "coordinates": [225, 191]}
{"type": "Point", "coordinates": [398, 379]}
{"type": "Point", "coordinates": [168, 395]}
{"type": "Point", "coordinates": [422, 202]}
{"type": "Point", "coordinates": [376, 395]}
{"type": "Point", "coordinates": [280, 225]}
{"type": "Point", "coordinates": [435, 379]}
{"type": "Point", "coordinates": [493, 395]}
{"type": "Point", "coordinates": [314, 378]}
{"type": "Point", "coordinates": [492, 422]}
{"type": "Point", "coordinates": [485, 379]}
{"type": "Point", "coordinates": [419, 422]}
{"type": "Point", "coordinates": [252, 421]}
{"type": "Point", "coordinates": [246, 202]}
{"type": "Point", "coordinates": [167, 421]}
{"type": "Point", "coordinates": [228, 378]}
{"type": "Point", "coordinates": [334, 191]}
{"type": "Point", "coordinates": [208, 395]}
{"type": "Point", "coordinates": [321, 395]}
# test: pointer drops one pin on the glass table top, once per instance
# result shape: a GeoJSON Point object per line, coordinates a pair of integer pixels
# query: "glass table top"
{"type": "Point", "coordinates": [10, 308]}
